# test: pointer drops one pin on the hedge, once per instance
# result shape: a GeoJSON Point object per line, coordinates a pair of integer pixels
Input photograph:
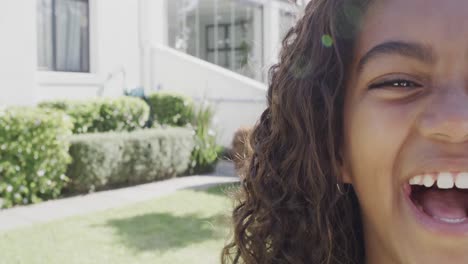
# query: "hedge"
{"type": "Point", "coordinates": [103, 115]}
{"type": "Point", "coordinates": [170, 109]}
{"type": "Point", "coordinates": [34, 154]}
{"type": "Point", "coordinates": [107, 160]}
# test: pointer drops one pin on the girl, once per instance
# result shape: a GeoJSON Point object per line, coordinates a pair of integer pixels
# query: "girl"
{"type": "Point", "coordinates": [362, 153]}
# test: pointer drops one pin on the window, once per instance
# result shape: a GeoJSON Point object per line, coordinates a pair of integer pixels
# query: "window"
{"type": "Point", "coordinates": [224, 32]}
{"type": "Point", "coordinates": [63, 35]}
{"type": "Point", "coordinates": [240, 48]}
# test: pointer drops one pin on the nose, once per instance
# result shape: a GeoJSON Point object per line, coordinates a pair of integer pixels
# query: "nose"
{"type": "Point", "coordinates": [446, 117]}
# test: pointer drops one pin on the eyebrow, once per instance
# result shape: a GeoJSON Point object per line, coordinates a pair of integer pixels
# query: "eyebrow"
{"type": "Point", "coordinates": [416, 51]}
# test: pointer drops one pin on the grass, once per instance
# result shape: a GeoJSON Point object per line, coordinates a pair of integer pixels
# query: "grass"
{"type": "Point", "coordinates": [186, 227]}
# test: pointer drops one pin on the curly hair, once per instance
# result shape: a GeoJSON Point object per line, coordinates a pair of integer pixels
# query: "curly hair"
{"type": "Point", "coordinates": [288, 208]}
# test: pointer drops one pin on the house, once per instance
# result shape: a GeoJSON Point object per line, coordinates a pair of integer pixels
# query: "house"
{"type": "Point", "coordinates": [217, 50]}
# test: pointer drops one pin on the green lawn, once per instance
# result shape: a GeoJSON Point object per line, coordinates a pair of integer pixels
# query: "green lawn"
{"type": "Point", "coordinates": [185, 227]}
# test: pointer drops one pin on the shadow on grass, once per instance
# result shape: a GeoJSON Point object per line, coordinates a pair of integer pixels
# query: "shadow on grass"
{"type": "Point", "coordinates": [163, 231]}
{"type": "Point", "coordinates": [221, 190]}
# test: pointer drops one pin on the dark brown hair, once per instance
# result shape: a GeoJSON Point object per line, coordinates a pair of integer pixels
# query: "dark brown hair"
{"type": "Point", "coordinates": [289, 209]}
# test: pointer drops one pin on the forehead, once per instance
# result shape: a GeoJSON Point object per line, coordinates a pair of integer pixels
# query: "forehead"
{"type": "Point", "coordinates": [443, 24]}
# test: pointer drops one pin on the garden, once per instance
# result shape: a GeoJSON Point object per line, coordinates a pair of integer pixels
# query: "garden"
{"type": "Point", "coordinates": [65, 148]}
{"type": "Point", "coordinates": [62, 148]}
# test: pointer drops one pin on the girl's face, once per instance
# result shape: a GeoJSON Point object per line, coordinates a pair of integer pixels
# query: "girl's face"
{"type": "Point", "coordinates": [406, 131]}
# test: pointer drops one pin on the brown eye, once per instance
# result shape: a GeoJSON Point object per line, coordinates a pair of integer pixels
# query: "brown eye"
{"type": "Point", "coordinates": [399, 83]}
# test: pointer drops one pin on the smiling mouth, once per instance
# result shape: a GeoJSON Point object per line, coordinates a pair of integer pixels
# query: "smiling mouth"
{"type": "Point", "coordinates": [440, 200]}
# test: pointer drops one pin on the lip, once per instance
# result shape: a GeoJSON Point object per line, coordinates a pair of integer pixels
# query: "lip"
{"type": "Point", "coordinates": [436, 226]}
{"type": "Point", "coordinates": [434, 166]}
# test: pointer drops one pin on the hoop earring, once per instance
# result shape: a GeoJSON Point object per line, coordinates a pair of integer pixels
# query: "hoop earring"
{"type": "Point", "coordinates": [339, 189]}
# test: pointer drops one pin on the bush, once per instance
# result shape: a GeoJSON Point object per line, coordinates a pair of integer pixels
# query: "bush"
{"type": "Point", "coordinates": [205, 153]}
{"type": "Point", "coordinates": [241, 150]}
{"type": "Point", "coordinates": [103, 115]}
{"type": "Point", "coordinates": [170, 109]}
{"type": "Point", "coordinates": [105, 160]}
{"type": "Point", "coordinates": [34, 154]}
{"type": "Point", "coordinates": [83, 114]}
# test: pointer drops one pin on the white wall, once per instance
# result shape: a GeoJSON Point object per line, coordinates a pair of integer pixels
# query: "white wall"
{"type": "Point", "coordinates": [17, 52]}
{"type": "Point", "coordinates": [238, 100]}
{"type": "Point", "coordinates": [156, 20]}
{"type": "Point", "coordinates": [153, 28]}
{"type": "Point", "coordinates": [115, 55]}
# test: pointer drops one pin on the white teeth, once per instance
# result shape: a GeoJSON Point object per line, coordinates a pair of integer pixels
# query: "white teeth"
{"type": "Point", "coordinates": [462, 180]}
{"type": "Point", "coordinates": [451, 220]}
{"type": "Point", "coordinates": [428, 180]}
{"type": "Point", "coordinates": [416, 180]}
{"type": "Point", "coordinates": [445, 180]}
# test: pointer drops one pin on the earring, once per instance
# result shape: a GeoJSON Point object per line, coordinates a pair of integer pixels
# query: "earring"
{"type": "Point", "coordinates": [339, 189]}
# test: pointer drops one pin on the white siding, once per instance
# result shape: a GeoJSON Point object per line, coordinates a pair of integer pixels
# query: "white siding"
{"type": "Point", "coordinates": [17, 52]}
{"type": "Point", "coordinates": [115, 51]}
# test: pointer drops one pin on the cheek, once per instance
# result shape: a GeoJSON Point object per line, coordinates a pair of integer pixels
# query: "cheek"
{"type": "Point", "coordinates": [375, 133]}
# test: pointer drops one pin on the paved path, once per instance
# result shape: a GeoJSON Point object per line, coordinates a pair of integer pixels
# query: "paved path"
{"type": "Point", "coordinates": [83, 204]}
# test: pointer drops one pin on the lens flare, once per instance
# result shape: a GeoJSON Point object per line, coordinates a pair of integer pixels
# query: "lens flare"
{"type": "Point", "coordinates": [327, 40]}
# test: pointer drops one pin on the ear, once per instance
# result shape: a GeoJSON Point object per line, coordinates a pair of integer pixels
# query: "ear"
{"type": "Point", "coordinates": [345, 172]}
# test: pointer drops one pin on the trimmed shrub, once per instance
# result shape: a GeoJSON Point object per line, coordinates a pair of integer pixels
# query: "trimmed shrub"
{"type": "Point", "coordinates": [170, 109]}
{"type": "Point", "coordinates": [122, 114]}
{"type": "Point", "coordinates": [206, 151]}
{"type": "Point", "coordinates": [83, 114]}
{"type": "Point", "coordinates": [106, 160]}
{"type": "Point", "coordinates": [241, 150]}
{"type": "Point", "coordinates": [103, 115]}
{"type": "Point", "coordinates": [34, 154]}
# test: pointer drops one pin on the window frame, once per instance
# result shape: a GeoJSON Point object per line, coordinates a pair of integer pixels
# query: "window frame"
{"type": "Point", "coordinates": [91, 78]}
{"type": "Point", "coordinates": [90, 33]}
